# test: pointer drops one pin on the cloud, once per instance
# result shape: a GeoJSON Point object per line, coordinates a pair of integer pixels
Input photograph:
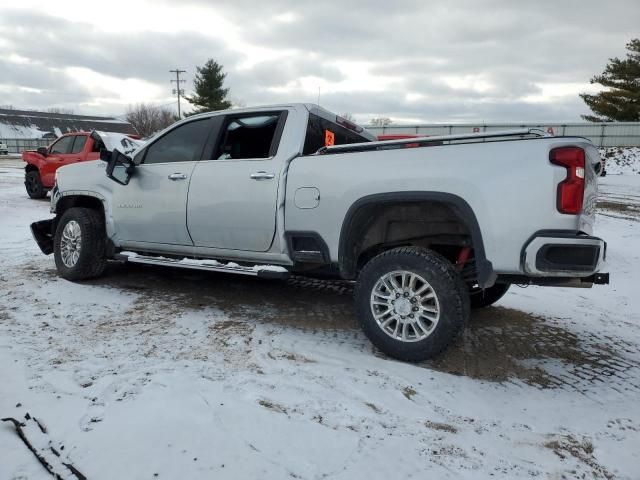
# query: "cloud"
{"type": "Point", "coordinates": [494, 60]}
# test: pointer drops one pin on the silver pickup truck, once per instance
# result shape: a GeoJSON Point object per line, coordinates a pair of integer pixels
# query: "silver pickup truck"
{"type": "Point", "coordinates": [427, 227]}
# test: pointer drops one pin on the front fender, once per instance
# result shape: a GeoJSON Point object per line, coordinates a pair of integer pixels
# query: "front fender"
{"type": "Point", "coordinates": [33, 163]}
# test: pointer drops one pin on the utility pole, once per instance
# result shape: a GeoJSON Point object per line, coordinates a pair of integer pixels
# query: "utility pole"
{"type": "Point", "coordinates": [178, 91]}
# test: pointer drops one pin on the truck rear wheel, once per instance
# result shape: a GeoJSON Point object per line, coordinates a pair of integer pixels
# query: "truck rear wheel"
{"type": "Point", "coordinates": [79, 244]}
{"type": "Point", "coordinates": [480, 298]}
{"type": "Point", "coordinates": [33, 184]}
{"type": "Point", "coordinates": [411, 303]}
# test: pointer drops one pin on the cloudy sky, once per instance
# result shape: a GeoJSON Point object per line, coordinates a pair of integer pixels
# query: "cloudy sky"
{"type": "Point", "coordinates": [411, 60]}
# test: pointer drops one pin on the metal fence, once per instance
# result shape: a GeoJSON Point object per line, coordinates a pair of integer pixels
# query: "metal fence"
{"type": "Point", "coordinates": [19, 145]}
{"type": "Point", "coordinates": [617, 134]}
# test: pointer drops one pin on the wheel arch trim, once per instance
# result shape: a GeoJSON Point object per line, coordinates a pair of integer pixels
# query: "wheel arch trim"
{"type": "Point", "coordinates": [347, 262]}
{"type": "Point", "coordinates": [57, 197]}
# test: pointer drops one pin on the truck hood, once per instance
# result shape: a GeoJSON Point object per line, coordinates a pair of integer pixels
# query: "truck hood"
{"type": "Point", "coordinates": [117, 141]}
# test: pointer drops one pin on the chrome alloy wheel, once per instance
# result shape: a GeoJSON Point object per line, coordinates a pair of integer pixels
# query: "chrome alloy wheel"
{"type": "Point", "coordinates": [405, 306]}
{"type": "Point", "coordinates": [70, 243]}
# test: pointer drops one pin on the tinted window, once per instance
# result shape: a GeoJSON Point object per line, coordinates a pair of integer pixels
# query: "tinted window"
{"type": "Point", "coordinates": [182, 144]}
{"type": "Point", "coordinates": [79, 144]}
{"type": "Point", "coordinates": [63, 145]}
{"type": "Point", "coordinates": [98, 144]}
{"type": "Point", "coordinates": [248, 137]}
{"type": "Point", "coordinates": [318, 129]}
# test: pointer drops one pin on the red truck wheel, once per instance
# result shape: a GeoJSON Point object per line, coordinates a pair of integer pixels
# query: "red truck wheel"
{"type": "Point", "coordinates": [33, 184]}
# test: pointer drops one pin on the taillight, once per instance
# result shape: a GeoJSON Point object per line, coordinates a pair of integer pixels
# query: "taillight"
{"type": "Point", "coordinates": [571, 189]}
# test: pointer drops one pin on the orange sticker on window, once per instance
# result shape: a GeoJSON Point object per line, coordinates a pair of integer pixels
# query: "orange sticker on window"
{"type": "Point", "coordinates": [329, 138]}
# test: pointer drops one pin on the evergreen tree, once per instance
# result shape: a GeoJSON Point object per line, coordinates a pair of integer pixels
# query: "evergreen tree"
{"type": "Point", "coordinates": [209, 93]}
{"type": "Point", "coordinates": [620, 102]}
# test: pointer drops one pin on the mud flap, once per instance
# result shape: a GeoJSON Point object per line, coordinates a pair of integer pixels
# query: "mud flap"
{"type": "Point", "coordinates": [42, 232]}
{"type": "Point", "coordinates": [35, 436]}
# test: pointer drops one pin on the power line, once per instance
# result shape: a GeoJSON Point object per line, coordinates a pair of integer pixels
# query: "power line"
{"type": "Point", "coordinates": [178, 91]}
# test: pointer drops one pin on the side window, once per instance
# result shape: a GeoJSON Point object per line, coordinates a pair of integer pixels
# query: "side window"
{"type": "Point", "coordinates": [182, 144]}
{"type": "Point", "coordinates": [318, 129]}
{"type": "Point", "coordinates": [248, 137]}
{"type": "Point", "coordinates": [79, 144]}
{"type": "Point", "coordinates": [98, 144]}
{"type": "Point", "coordinates": [62, 145]}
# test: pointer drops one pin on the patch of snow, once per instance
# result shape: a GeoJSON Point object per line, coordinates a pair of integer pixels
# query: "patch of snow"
{"type": "Point", "coordinates": [269, 268]}
{"type": "Point", "coordinates": [621, 160]}
{"type": "Point", "coordinates": [19, 131]}
{"type": "Point", "coordinates": [197, 262]}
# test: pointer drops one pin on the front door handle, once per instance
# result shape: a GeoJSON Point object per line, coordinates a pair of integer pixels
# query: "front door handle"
{"type": "Point", "coordinates": [262, 176]}
{"type": "Point", "coordinates": [177, 176]}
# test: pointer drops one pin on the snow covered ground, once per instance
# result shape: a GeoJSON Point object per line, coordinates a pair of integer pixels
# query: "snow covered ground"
{"type": "Point", "coordinates": [161, 373]}
{"type": "Point", "coordinates": [621, 160]}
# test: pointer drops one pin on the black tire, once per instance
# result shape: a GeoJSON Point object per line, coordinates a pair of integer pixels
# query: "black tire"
{"type": "Point", "coordinates": [480, 298]}
{"type": "Point", "coordinates": [33, 184]}
{"type": "Point", "coordinates": [91, 261]}
{"type": "Point", "coordinates": [444, 280]}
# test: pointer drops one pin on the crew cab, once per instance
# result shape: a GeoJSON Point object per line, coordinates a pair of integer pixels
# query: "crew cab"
{"type": "Point", "coordinates": [70, 148]}
{"type": "Point", "coordinates": [427, 228]}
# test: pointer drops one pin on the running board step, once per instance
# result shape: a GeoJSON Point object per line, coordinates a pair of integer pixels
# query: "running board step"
{"type": "Point", "coordinates": [263, 271]}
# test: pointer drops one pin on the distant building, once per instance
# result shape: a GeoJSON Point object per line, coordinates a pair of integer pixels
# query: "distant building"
{"type": "Point", "coordinates": [24, 124]}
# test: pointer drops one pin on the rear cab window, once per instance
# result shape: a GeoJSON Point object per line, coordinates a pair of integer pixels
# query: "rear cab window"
{"type": "Point", "coordinates": [322, 132]}
{"type": "Point", "coordinates": [250, 136]}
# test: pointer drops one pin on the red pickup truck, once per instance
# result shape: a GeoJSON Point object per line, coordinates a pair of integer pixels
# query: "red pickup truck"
{"type": "Point", "coordinates": [69, 148]}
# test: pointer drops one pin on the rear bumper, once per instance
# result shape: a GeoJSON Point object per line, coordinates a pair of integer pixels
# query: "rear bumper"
{"type": "Point", "coordinates": [42, 232]}
{"type": "Point", "coordinates": [563, 254]}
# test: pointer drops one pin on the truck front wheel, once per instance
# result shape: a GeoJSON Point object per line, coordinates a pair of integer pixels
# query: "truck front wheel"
{"type": "Point", "coordinates": [33, 185]}
{"type": "Point", "coordinates": [411, 303]}
{"type": "Point", "coordinates": [79, 244]}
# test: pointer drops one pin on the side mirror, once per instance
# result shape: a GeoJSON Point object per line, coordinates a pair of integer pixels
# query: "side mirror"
{"type": "Point", "coordinates": [120, 167]}
{"type": "Point", "coordinates": [43, 151]}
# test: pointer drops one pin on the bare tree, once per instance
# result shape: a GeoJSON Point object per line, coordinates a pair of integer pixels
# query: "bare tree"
{"type": "Point", "coordinates": [380, 121]}
{"type": "Point", "coordinates": [66, 111]}
{"type": "Point", "coordinates": [348, 116]}
{"type": "Point", "coordinates": [147, 119]}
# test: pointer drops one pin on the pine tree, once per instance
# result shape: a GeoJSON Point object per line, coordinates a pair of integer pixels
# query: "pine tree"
{"type": "Point", "coordinates": [620, 102]}
{"type": "Point", "coordinates": [209, 94]}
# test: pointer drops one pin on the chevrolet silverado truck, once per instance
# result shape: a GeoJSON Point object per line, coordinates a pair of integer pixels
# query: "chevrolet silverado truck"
{"type": "Point", "coordinates": [69, 148]}
{"type": "Point", "coordinates": [426, 228]}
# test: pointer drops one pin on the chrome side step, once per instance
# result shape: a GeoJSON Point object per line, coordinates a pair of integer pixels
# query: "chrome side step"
{"type": "Point", "coordinates": [263, 271]}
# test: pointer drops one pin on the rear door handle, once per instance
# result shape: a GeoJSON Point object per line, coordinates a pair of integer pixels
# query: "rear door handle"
{"type": "Point", "coordinates": [261, 175]}
{"type": "Point", "coordinates": [177, 176]}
